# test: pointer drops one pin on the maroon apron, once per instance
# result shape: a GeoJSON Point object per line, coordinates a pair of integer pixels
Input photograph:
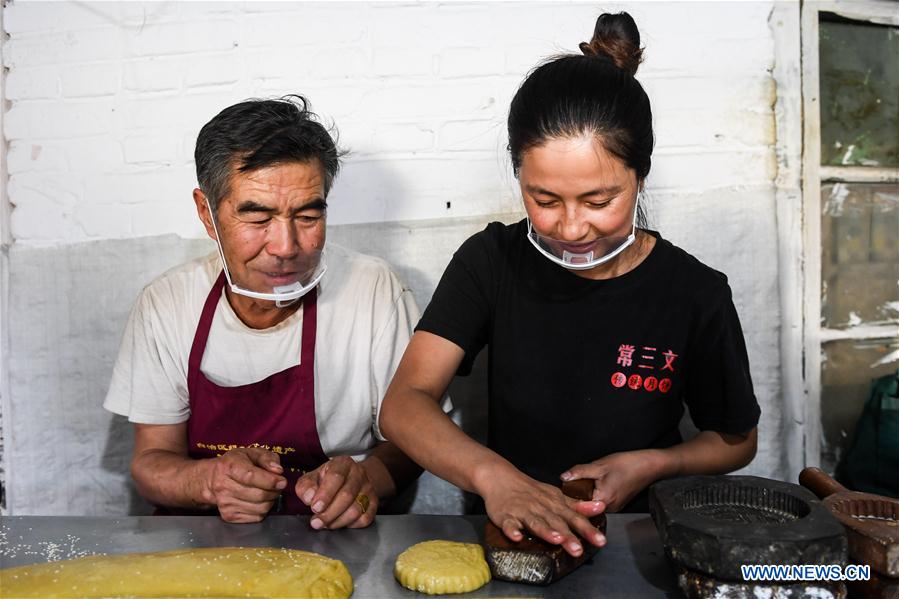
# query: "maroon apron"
{"type": "Point", "coordinates": [277, 413]}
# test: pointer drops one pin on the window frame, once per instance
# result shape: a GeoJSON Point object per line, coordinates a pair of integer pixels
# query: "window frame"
{"type": "Point", "coordinates": [815, 335]}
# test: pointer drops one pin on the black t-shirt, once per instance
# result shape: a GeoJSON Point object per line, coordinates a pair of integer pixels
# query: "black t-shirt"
{"type": "Point", "coordinates": [578, 368]}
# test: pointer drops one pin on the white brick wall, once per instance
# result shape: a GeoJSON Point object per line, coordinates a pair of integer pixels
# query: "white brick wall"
{"type": "Point", "coordinates": [4, 291]}
{"type": "Point", "coordinates": [107, 98]}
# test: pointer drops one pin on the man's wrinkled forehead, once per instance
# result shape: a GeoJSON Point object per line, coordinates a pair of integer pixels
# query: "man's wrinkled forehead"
{"type": "Point", "coordinates": [271, 180]}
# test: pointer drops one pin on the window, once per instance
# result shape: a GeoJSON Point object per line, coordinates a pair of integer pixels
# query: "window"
{"type": "Point", "coordinates": [850, 54]}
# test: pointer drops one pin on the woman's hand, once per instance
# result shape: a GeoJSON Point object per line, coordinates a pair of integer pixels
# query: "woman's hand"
{"type": "Point", "coordinates": [340, 494]}
{"type": "Point", "coordinates": [516, 503]}
{"type": "Point", "coordinates": [618, 477]}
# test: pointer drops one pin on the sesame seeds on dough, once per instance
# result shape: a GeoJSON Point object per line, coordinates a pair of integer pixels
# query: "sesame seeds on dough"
{"type": "Point", "coordinates": [219, 572]}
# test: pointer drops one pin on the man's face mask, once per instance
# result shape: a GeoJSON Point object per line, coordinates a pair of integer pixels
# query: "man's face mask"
{"type": "Point", "coordinates": [257, 274]}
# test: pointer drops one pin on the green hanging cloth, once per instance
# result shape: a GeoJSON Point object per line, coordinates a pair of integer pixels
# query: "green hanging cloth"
{"type": "Point", "coordinates": [872, 462]}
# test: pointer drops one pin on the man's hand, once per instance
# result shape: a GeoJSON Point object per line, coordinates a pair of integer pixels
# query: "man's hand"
{"type": "Point", "coordinates": [331, 491]}
{"type": "Point", "coordinates": [244, 484]}
{"type": "Point", "coordinates": [619, 476]}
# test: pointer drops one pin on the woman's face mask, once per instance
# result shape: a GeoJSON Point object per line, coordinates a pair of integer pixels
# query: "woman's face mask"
{"type": "Point", "coordinates": [580, 200]}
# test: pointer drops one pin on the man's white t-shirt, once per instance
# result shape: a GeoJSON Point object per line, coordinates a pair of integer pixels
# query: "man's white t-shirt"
{"type": "Point", "coordinates": [365, 317]}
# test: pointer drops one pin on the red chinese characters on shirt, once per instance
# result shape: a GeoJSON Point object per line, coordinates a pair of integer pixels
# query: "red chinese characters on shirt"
{"type": "Point", "coordinates": [625, 355]}
{"type": "Point", "coordinates": [643, 358]}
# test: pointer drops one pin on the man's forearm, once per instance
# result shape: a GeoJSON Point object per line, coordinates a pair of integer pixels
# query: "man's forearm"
{"type": "Point", "coordinates": [390, 469]}
{"type": "Point", "coordinates": [171, 479]}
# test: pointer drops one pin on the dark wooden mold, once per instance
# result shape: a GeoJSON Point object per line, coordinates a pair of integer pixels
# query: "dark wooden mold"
{"type": "Point", "coordinates": [532, 560]}
{"type": "Point", "coordinates": [871, 521]}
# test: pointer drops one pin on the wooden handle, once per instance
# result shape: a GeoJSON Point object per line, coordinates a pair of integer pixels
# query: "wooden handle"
{"type": "Point", "coordinates": [581, 489]}
{"type": "Point", "coordinates": [817, 481]}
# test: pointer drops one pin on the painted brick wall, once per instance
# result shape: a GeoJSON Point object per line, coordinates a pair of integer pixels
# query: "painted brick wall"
{"type": "Point", "coordinates": [107, 99]}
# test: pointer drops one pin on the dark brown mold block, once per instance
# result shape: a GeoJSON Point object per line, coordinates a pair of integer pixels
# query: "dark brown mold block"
{"type": "Point", "coordinates": [715, 524]}
{"type": "Point", "coordinates": [532, 560]}
{"type": "Point", "coordinates": [872, 526]}
{"type": "Point", "coordinates": [871, 521]}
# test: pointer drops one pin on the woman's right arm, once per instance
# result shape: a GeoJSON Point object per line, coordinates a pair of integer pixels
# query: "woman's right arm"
{"type": "Point", "coordinates": [411, 417]}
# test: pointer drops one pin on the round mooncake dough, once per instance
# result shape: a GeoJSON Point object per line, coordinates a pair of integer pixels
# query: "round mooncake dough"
{"type": "Point", "coordinates": [442, 567]}
{"type": "Point", "coordinates": [214, 572]}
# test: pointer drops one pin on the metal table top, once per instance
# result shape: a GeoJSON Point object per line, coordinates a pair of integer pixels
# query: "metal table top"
{"type": "Point", "coordinates": [633, 563]}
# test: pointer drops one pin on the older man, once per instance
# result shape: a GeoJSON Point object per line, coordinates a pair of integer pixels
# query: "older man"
{"type": "Point", "coordinates": [254, 375]}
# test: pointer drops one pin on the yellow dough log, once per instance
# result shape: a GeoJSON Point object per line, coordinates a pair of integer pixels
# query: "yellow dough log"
{"type": "Point", "coordinates": [214, 572]}
{"type": "Point", "coordinates": [442, 567]}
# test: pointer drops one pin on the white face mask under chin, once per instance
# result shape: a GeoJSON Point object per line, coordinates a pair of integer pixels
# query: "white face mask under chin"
{"type": "Point", "coordinates": [282, 295]}
{"type": "Point", "coordinates": [579, 261]}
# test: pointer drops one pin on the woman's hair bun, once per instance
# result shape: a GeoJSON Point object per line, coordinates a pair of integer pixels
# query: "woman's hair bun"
{"type": "Point", "coordinates": [617, 37]}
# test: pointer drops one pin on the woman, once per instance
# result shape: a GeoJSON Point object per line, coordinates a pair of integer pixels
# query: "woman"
{"type": "Point", "coordinates": [598, 331]}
